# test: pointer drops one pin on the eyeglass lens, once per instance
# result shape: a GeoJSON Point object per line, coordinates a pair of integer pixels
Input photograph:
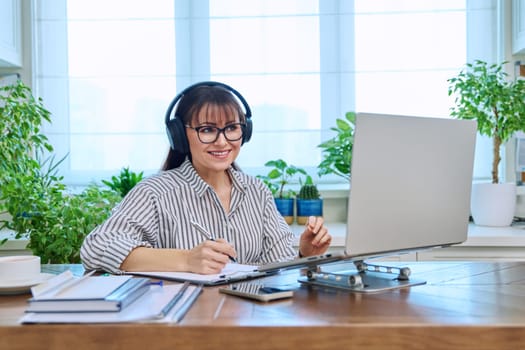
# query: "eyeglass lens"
{"type": "Point", "coordinates": [209, 134]}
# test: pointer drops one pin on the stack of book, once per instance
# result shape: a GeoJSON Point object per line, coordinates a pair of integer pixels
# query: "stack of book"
{"type": "Point", "coordinates": [93, 294]}
{"type": "Point", "coordinates": [107, 299]}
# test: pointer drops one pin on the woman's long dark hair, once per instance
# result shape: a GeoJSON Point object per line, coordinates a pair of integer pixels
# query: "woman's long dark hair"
{"type": "Point", "coordinates": [189, 107]}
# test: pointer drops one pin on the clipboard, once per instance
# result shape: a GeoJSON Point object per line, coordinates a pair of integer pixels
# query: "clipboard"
{"type": "Point", "coordinates": [233, 272]}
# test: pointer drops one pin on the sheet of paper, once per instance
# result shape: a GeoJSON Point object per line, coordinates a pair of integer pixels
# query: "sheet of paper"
{"type": "Point", "coordinates": [230, 270]}
{"type": "Point", "coordinates": [145, 309]}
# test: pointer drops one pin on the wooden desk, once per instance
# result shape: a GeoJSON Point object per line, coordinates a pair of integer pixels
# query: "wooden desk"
{"type": "Point", "coordinates": [463, 306]}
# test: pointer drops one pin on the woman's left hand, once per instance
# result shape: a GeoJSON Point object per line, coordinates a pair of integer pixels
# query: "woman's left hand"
{"type": "Point", "coordinates": [315, 239]}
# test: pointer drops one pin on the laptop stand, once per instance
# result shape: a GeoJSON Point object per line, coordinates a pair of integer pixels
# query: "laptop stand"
{"type": "Point", "coordinates": [365, 278]}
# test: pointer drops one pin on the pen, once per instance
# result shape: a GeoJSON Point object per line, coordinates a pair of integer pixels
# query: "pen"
{"type": "Point", "coordinates": [208, 236]}
{"type": "Point", "coordinates": [166, 309]}
{"type": "Point", "coordinates": [179, 314]}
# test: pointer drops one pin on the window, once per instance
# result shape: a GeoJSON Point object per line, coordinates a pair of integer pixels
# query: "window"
{"type": "Point", "coordinates": [107, 70]}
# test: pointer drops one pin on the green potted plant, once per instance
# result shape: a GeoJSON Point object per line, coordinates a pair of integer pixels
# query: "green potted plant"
{"type": "Point", "coordinates": [124, 182]}
{"type": "Point", "coordinates": [483, 92]}
{"type": "Point", "coordinates": [277, 180]}
{"type": "Point", "coordinates": [34, 202]}
{"type": "Point", "coordinates": [21, 118]}
{"type": "Point", "coordinates": [337, 151]}
{"type": "Point", "coordinates": [57, 230]}
{"type": "Point", "coordinates": [309, 201]}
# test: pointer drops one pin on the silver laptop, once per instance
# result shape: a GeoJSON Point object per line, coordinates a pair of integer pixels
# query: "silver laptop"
{"type": "Point", "coordinates": [411, 180]}
{"type": "Point", "coordinates": [411, 183]}
{"type": "Point", "coordinates": [410, 190]}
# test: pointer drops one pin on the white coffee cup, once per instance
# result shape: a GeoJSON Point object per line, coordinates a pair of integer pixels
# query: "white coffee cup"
{"type": "Point", "coordinates": [19, 267]}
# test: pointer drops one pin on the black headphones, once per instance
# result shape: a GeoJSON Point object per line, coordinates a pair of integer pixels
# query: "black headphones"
{"type": "Point", "coordinates": [177, 131]}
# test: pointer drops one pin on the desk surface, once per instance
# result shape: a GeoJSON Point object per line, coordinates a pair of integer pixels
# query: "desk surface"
{"type": "Point", "coordinates": [463, 306]}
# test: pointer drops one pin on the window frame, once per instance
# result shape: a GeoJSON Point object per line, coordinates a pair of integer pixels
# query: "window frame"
{"type": "Point", "coordinates": [192, 38]}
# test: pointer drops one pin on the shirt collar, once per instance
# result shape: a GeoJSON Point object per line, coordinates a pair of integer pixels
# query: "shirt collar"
{"type": "Point", "coordinates": [200, 186]}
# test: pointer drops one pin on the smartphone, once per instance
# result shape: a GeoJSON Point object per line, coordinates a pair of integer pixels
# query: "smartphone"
{"type": "Point", "coordinates": [256, 291]}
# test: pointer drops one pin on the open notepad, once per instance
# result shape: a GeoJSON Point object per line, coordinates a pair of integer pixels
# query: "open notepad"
{"type": "Point", "coordinates": [232, 272]}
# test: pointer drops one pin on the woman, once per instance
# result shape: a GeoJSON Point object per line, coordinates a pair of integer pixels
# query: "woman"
{"type": "Point", "coordinates": [201, 210]}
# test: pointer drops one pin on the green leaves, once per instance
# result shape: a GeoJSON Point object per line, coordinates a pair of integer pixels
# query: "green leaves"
{"type": "Point", "coordinates": [21, 117]}
{"type": "Point", "coordinates": [58, 230]}
{"type": "Point", "coordinates": [124, 182]}
{"type": "Point", "coordinates": [337, 151]}
{"type": "Point", "coordinates": [280, 176]}
{"type": "Point", "coordinates": [484, 93]}
{"type": "Point", "coordinates": [24, 180]}
{"type": "Point", "coordinates": [31, 190]}
{"type": "Point", "coordinates": [337, 158]}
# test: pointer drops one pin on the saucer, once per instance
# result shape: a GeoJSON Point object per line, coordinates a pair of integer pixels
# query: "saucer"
{"type": "Point", "coordinates": [21, 286]}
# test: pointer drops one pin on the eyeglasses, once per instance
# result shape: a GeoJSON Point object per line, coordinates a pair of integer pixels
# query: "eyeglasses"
{"type": "Point", "coordinates": [210, 134]}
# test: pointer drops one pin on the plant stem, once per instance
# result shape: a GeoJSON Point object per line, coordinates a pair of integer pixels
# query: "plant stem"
{"type": "Point", "coordinates": [496, 158]}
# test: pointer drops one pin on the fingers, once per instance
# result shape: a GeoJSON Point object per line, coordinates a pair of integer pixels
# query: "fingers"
{"type": "Point", "coordinates": [225, 248]}
{"type": "Point", "coordinates": [314, 224]}
{"type": "Point", "coordinates": [219, 250]}
{"type": "Point", "coordinates": [208, 267]}
{"type": "Point", "coordinates": [324, 239]}
{"type": "Point", "coordinates": [321, 237]}
{"type": "Point", "coordinates": [210, 257]}
{"type": "Point", "coordinates": [315, 239]}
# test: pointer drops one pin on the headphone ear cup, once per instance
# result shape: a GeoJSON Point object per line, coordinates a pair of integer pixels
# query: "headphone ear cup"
{"type": "Point", "coordinates": [177, 136]}
{"type": "Point", "coordinates": [247, 131]}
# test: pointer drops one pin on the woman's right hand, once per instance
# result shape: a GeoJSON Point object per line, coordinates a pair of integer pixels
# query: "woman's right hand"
{"type": "Point", "coordinates": [210, 257]}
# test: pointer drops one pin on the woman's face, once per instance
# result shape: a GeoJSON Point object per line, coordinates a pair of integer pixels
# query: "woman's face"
{"type": "Point", "coordinates": [216, 156]}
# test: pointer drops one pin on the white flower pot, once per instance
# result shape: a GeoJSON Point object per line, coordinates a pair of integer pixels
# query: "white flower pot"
{"type": "Point", "coordinates": [493, 204]}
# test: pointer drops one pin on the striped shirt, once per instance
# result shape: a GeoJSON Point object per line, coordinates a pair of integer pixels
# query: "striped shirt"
{"type": "Point", "coordinates": [158, 212]}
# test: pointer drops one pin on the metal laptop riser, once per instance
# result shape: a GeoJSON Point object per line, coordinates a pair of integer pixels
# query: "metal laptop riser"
{"type": "Point", "coordinates": [366, 278]}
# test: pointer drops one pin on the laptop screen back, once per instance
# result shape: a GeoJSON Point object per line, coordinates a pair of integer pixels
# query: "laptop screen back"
{"type": "Point", "coordinates": [410, 186]}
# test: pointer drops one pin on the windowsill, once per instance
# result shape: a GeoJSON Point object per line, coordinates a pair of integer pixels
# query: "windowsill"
{"type": "Point", "coordinates": [484, 236]}
{"type": "Point", "coordinates": [334, 190]}
{"type": "Point", "coordinates": [12, 245]}
{"type": "Point", "coordinates": [478, 236]}
{"type": "Point", "coordinates": [340, 190]}
{"type": "Point", "coordinates": [328, 190]}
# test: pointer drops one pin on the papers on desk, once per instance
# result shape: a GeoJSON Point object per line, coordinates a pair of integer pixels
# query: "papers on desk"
{"type": "Point", "coordinates": [157, 303]}
{"type": "Point", "coordinates": [231, 272]}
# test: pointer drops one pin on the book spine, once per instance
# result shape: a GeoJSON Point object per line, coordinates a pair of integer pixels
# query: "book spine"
{"type": "Point", "coordinates": [129, 291]}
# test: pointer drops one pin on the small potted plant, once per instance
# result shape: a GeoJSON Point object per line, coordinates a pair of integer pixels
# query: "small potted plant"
{"type": "Point", "coordinates": [277, 180]}
{"type": "Point", "coordinates": [484, 93]}
{"type": "Point", "coordinates": [309, 201]}
{"type": "Point", "coordinates": [337, 151]}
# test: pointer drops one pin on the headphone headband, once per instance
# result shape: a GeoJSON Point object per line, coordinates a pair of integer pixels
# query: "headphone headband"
{"type": "Point", "coordinates": [247, 111]}
{"type": "Point", "coordinates": [175, 128]}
